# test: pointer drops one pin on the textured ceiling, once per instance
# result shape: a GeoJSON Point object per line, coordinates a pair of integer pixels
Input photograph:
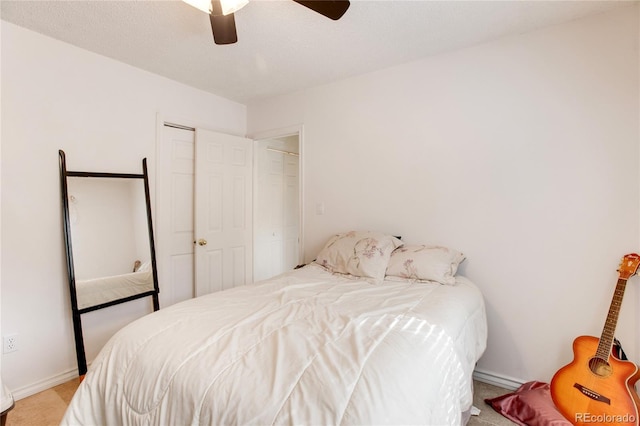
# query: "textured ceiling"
{"type": "Point", "coordinates": [282, 46]}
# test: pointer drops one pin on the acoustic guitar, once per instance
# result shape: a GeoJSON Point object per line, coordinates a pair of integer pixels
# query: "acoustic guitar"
{"type": "Point", "coordinates": [596, 387]}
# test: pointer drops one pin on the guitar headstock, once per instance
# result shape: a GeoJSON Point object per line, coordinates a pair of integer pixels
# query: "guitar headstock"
{"type": "Point", "coordinates": [629, 265]}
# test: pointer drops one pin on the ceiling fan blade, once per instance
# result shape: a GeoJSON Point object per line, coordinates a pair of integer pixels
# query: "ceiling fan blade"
{"type": "Point", "coordinates": [332, 9]}
{"type": "Point", "coordinates": [223, 26]}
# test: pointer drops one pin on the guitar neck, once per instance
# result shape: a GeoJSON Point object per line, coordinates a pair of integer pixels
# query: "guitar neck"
{"type": "Point", "coordinates": [608, 332]}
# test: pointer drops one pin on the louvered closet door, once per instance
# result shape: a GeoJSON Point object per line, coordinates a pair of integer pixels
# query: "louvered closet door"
{"type": "Point", "coordinates": [223, 206]}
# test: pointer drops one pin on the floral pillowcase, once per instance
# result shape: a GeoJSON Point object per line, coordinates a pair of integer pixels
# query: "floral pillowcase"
{"type": "Point", "coordinates": [359, 253]}
{"type": "Point", "coordinates": [425, 263]}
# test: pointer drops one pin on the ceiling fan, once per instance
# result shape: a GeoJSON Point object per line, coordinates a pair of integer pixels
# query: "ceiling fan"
{"type": "Point", "coordinates": [223, 22]}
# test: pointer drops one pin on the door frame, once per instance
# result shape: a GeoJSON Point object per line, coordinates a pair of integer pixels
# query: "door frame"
{"type": "Point", "coordinates": [161, 235]}
{"type": "Point", "coordinates": [162, 118]}
{"type": "Point", "coordinates": [279, 133]}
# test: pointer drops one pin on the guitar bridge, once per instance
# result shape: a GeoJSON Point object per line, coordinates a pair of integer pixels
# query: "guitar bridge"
{"type": "Point", "coordinates": [592, 394]}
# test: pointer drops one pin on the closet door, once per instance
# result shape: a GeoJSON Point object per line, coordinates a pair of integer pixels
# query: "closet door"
{"type": "Point", "coordinates": [223, 211]}
{"type": "Point", "coordinates": [175, 215]}
{"type": "Point", "coordinates": [276, 209]}
{"type": "Point", "coordinates": [269, 214]}
{"type": "Point", "coordinates": [291, 213]}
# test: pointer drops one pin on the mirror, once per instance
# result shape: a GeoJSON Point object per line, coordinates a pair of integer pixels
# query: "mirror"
{"type": "Point", "coordinates": [109, 242]}
{"type": "Point", "coordinates": [110, 239]}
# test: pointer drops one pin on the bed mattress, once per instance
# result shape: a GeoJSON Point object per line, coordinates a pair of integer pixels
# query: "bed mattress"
{"type": "Point", "coordinates": [306, 347]}
{"type": "Point", "coordinates": [96, 291]}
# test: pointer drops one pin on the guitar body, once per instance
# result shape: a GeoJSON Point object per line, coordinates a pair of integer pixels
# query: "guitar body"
{"type": "Point", "coordinates": [592, 393]}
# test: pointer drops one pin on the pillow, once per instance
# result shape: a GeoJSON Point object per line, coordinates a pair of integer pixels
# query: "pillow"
{"type": "Point", "coordinates": [425, 263]}
{"type": "Point", "coordinates": [359, 253]}
{"type": "Point", "coordinates": [143, 267]}
{"type": "Point", "coordinates": [529, 405]}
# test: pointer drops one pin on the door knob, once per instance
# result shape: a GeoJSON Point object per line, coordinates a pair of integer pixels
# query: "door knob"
{"type": "Point", "coordinates": [202, 242]}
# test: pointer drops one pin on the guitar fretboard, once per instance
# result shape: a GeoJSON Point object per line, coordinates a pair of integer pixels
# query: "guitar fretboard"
{"type": "Point", "coordinates": [608, 332]}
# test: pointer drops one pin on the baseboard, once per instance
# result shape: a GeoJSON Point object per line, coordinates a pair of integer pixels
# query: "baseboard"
{"type": "Point", "coordinates": [45, 384]}
{"type": "Point", "coordinates": [497, 379]}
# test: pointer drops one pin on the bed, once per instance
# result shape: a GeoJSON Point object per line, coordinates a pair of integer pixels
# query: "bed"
{"type": "Point", "coordinates": [96, 291]}
{"type": "Point", "coordinates": [311, 346]}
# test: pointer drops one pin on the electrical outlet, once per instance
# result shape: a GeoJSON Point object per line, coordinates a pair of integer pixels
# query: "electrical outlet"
{"type": "Point", "coordinates": [10, 343]}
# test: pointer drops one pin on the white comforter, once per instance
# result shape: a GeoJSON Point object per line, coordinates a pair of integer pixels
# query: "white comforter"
{"type": "Point", "coordinates": [303, 348]}
{"type": "Point", "coordinates": [96, 291]}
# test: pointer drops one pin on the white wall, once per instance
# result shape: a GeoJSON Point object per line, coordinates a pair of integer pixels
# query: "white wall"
{"type": "Point", "coordinates": [103, 114]}
{"type": "Point", "coordinates": [522, 153]}
{"type": "Point", "coordinates": [3, 392]}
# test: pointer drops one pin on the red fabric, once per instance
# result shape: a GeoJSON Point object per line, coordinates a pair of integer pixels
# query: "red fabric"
{"type": "Point", "coordinates": [529, 405]}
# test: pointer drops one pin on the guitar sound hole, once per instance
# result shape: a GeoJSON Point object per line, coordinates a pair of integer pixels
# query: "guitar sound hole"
{"type": "Point", "coordinates": [600, 367]}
